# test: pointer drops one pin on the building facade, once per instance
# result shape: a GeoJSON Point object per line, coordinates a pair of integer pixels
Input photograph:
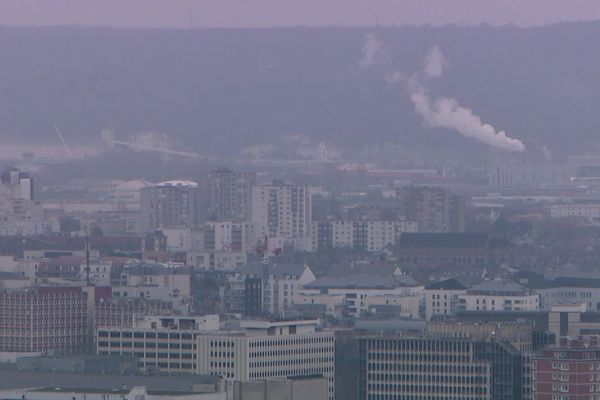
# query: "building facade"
{"type": "Point", "coordinates": [162, 344]}
{"type": "Point", "coordinates": [266, 350]}
{"type": "Point", "coordinates": [282, 214]}
{"type": "Point", "coordinates": [358, 235]}
{"type": "Point", "coordinates": [434, 208]}
{"type": "Point", "coordinates": [449, 361]}
{"type": "Point", "coordinates": [173, 204]}
{"type": "Point", "coordinates": [569, 371]}
{"type": "Point", "coordinates": [43, 320]}
{"type": "Point", "coordinates": [498, 296]}
{"type": "Point", "coordinates": [442, 298]}
{"type": "Point", "coordinates": [230, 195]}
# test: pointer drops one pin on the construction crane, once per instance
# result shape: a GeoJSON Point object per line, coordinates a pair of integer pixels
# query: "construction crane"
{"type": "Point", "coordinates": [66, 147]}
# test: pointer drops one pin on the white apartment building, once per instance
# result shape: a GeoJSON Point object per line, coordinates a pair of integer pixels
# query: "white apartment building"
{"type": "Point", "coordinates": [265, 350]}
{"type": "Point", "coordinates": [365, 293]}
{"type": "Point", "coordinates": [442, 298]}
{"type": "Point", "coordinates": [282, 213]}
{"type": "Point", "coordinates": [161, 343]}
{"type": "Point", "coordinates": [499, 296]}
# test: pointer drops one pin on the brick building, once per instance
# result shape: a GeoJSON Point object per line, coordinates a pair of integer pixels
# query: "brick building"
{"type": "Point", "coordinates": [568, 371]}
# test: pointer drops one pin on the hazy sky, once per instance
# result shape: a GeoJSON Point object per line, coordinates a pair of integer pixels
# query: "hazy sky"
{"type": "Point", "coordinates": [253, 13]}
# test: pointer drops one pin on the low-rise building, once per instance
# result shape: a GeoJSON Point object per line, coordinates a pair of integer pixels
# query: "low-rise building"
{"type": "Point", "coordinates": [498, 296]}
{"type": "Point", "coordinates": [269, 350]}
{"type": "Point", "coordinates": [365, 294]}
{"type": "Point", "coordinates": [161, 343]}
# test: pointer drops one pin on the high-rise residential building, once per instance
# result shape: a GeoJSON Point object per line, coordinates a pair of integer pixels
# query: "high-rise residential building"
{"type": "Point", "coordinates": [435, 209]}
{"type": "Point", "coordinates": [269, 350]}
{"type": "Point", "coordinates": [230, 195]}
{"type": "Point", "coordinates": [568, 371]}
{"type": "Point", "coordinates": [282, 213]}
{"type": "Point", "coordinates": [43, 320]}
{"type": "Point", "coordinates": [172, 204]}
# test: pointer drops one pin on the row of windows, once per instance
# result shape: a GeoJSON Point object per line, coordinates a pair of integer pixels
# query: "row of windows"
{"type": "Point", "coordinates": [462, 379]}
{"type": "Point", "coordinates": [438, 368]}
{"type": "Point", "coordinates": [442, 389]}
{"type": "Point", "coordinates": [147, 345]}
{"type": "Point", "coordinates": [147, 335]}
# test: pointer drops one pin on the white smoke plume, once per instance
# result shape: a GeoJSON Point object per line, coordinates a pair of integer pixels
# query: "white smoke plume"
{"type": "Point", "coordinates": [434, 63]}
{"type": "Point", "coordinates": [445, 112]}
{"type": "Point", "coordinates": [371, 51]}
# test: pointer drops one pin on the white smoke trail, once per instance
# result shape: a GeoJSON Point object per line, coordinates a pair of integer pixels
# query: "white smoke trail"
{"type": "Point", "coordinates": [434, 63]}
{"type": "Point", "coordinates": [371, 51]}
{"type": "Point", "coordinates": [445, 112]}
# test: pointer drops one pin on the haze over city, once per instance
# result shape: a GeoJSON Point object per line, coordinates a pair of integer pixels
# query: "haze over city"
{"type": "Point", "coordinates": [299, 200]}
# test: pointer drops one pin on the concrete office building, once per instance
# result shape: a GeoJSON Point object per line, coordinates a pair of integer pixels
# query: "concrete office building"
{"type": "Point", "coordinates": [269, 350]}
{"type": "Point", "coordinates": [282, 214]}
{"type": "Point", "coordinates": [161, 343]}
{"type": "Point", "coordinates": [230, 195]}
{"type": "Point", "coordinates": [172, 204]}
{"type": "Point", "coordinates": [43, 320]}
{"type": "Point", "coordinates": [452, 362]}
{"type": "Point", "coordinates": [573, 320]}
{"type": "Point", "coordinates": [301, 388]}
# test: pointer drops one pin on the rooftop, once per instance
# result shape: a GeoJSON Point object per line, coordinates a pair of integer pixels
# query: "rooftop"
{"type": "Point", "coordinates": [448, 284]}
{"type": "Point", "coordinates": [363, 281]}
{"type": "Point", "coordinates": [497, 287]}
